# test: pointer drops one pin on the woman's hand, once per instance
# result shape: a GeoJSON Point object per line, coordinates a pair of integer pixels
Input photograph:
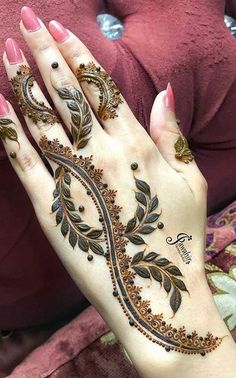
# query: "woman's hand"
{"type": "Point", "coordinates": [125, 216]}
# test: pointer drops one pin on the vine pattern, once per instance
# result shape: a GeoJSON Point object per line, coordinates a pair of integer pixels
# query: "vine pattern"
{"type": "Point", "coordinates": [120, 263]}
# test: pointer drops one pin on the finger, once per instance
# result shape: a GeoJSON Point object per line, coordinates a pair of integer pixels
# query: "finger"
{"type": "Point", "coordinates": [100, 90]}
{"type": "Point", "coordinates": [56, 79]}
{"type": "Point", "coordinates": [166, 134]}
{"type": "Point", "coordinates": [39, 116]}
{"type": "Point", "coordinates": [23, 157]}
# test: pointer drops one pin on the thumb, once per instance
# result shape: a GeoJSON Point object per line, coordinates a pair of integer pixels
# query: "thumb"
{"type": "Point", "coordinates": [171, 143]}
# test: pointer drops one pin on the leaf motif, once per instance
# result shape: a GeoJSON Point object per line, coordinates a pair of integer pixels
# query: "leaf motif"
{"type": "Point", "coordinates": [85, 131]}
{"type": "Point", "coordinates": [67, 178]}
{"type": "Point", "coordinates": [83, 227]}
{"type": "Point", "coordinates": [142, 272]}
{"type": "Point", "coordinates": [146, 230]}
{"type": "Point", "coordinates": [57, 172]}
{"type": "Point", "coordinates": [152, 218]}
{"type": "Point", "coordinates": [174, 270]}
{"type": "Point", "coordinates": [72, 106]}
{"type": "Point", "coordinates": [150, 256]}
{"type": "Point", "coordinates": [156, 274]}
{"type": "Point", "coordinates": [83, 244]}
{"type": "Point", "coordinates": [153, 204]}
{"type": "Point", "coordinates": [59, 216]}
{"type": "Point", "coordinates": [180, 284]}
{"type": "Point", "coordinates": [137, 257]}
{"type": "Point", "coordinates": [140, 213]}
{"type": "Point", "coordinates": [143, 186]}
{"type": "Point", "coordinates": [64, 93]}
{"type": "Point", "coordinates": [76, 119]}
{"type": "Point", "coordinates": [8, 132]}
{"type": "Point", "coordinates": [131, 225]}
{"type": "Point", "coordinates": [175, 300]}
{"type": "Point", "coordinates": [65, 227]}
{"type": "Point", "coordinates": [56, 204]}
{"type": "Point", "coordinates": [140, 197]}
{"type": "Point", "coordinates": [82, 143]}
{"type": "Point", "coordinates": [65, 190]}
{"type": "Point", "coordinates": [72, 238]}
{"type": "Point", "coordinates": [55, 193]}
{"type": "Point", "coordinates": [69, 205]}
{"type": "Point", "coordinates": [6, 121]}
{"type": "Point", "coordinates": [167, 284]}
{"type": "Point", "coordinates": [77, 95]}
{"type": "Point", "coordinates": [162, 262]}
{"type": "Point", "coordinates": [136, 239]}
{"type": "Point", "coordinates": [74, 132]}
{"type": "Point", "coordinates": [94, 234]}
{"type": "Point", "coordinates": [96, 248]}
{"type": "Point", "coordinates": [74, 217]}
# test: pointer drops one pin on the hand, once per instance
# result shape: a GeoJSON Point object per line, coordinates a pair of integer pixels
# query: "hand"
{"type": "Point", "coordinates": [125, 216]}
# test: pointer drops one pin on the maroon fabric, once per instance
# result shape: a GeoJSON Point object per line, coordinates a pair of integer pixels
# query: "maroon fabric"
{"type": "Point", "coordinates": [231, 8]}
{"type": "Point", "coordinates": [181, 41]}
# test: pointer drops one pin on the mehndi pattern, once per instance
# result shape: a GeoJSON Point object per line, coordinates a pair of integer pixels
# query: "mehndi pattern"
{"type": "Point", "coordinates": [109, 94]}
{"type": "Point", "coordinates": [7, 132]}
{"type": "Point", "coordinates": [22, 85]}
{"type": "Point", "coordinates": [124, 268]}
{"type": "Point", "coordinates": [81, 118]}
{"type": "Point", "coordinates": [183, 152]}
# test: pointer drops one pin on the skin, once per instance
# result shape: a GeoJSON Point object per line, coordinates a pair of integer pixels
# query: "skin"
{"type": "Point", "coordinates": [181, 190]}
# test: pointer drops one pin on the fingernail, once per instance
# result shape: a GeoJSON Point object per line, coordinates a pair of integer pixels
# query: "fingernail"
{"type": "Point", "coordinates": [59, 33]}
{"type": "Point", "coordinates": [170, 100]}
{"type": "Point", "coordinates": [30, 21]}
{"type": "Point", "coordinates": [4, 108]}
{"type": "Point", "coordinates": [13, 52]}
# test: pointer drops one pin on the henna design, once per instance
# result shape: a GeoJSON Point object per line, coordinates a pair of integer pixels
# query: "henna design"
{"type": "Point", "coordinates": [144, 215]}
{"type": "Point", "coordinates": [70, 221]}
{"type": "Point", "coordinates": [7, 132]}
{"type": "Point", "coordinates": [137, 309]}
{"type": "Point", "coordinates": [81, 118]}
{"type": "Point", "coordinates": [183, 152]}
{"type": "Point", "coordinates": [109, 97]}
{"type": "Point", "coordinates": [22, 85]}
{"type": "Point", "coordinates": [163, 271]}
{"type": "Point", "coordinates": [12, 154]}
{"type": "Point", "coordinates": [55, 65]}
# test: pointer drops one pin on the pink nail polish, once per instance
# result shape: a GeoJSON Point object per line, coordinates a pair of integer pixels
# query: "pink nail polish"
{"type": "Point", "coordinates": [170, 100]}
{"type": "Point", "coordinates": [13, 52]}
{"type": "Point", "coordinates": [59, 33]}
{"type": "Point", "coordinates": [30, 21]}
{"type": "Point", "coordinates": [4, 108]}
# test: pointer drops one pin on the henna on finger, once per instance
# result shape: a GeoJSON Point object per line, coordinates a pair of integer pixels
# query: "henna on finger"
{"type": "Point", "coordinates": [81, 118]}
{"type": "Point", "coordinates": [183, 152]}
{"type": "Point", "coordinates": [123, 267]}
{"type": "Point", "coordinates": [22, 85]}
{"type": "Point", "coordinates": [7, 132]}
{"type": "Point", "coordinates": [110, 97]}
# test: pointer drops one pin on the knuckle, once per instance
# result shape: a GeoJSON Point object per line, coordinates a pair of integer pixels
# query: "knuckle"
{"type": "Point", "coordinates": [28, 160]}
{"type": "Point", "coordinates": [63, 79]}
{"type": "Point", "coordinates": [44, 45]}
{"type": "Point", "coordinates": [137, 147]}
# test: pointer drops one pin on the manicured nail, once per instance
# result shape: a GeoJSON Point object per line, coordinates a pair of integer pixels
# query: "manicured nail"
{"type": "Point", "coordinates": [170, 100]}
{"type": "Point", "coordinates": [13, 52]}
{"type": "Point", "coordinates": [59, 33]}
{"type": "Point", "coordinates": [4, 108]}
{"type": "Point", "coordinates": [30, 21]}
